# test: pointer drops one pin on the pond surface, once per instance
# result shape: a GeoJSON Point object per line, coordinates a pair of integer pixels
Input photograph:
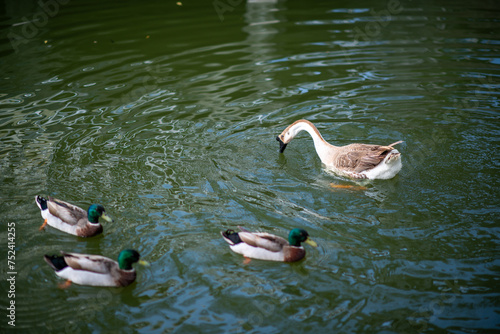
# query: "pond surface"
{"type": "Point", "coordinates": [166, 113]}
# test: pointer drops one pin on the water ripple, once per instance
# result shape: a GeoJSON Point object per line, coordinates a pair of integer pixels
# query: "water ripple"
{"type": "Point", "coordinates": [170, 122]}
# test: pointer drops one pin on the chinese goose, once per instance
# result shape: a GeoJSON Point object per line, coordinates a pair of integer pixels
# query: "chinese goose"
{"type": "Point", "coordinates": [358, 161]}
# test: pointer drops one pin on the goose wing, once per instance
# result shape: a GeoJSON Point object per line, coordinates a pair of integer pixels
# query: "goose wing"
{"type": "Point", "coordinates": [357, 158]}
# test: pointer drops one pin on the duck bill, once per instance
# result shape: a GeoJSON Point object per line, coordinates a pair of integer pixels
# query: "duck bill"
{"type": "Point", "coordinates": [143, 263]}
{"type": "Point", "coordinates": [311, 242]}
{"type": "Point", "coordinates": [106, 217]}
{"type": "Point", "coordinates": [282, 145]}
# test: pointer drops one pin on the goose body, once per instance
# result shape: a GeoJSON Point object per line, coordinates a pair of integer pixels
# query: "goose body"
{"type": "Point", "coordinates": [70, 218]}
{"type": "Point", "coordinates": [265, 246]}
{"type": "Point", "coordinates": [96, 270]}
{"type": "Point", "coordinates": [358, 161]}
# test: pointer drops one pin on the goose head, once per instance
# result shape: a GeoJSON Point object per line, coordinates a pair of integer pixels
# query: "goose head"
{"type": "Point", "coordinates": [282, 144]}
{"type": "Point", "coordinates": [291, 131]}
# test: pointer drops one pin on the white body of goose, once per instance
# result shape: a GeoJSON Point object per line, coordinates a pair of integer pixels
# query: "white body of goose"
{"type": "Point", "coordinates": [358, 161]}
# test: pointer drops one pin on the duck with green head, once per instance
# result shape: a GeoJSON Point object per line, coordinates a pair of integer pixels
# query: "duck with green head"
{"type": "Point", "coordinates": [265, 246]}
{"type": "Point", "coordinates": [71, 218]}
{"type": "Point", "coordinates": [96, 270]}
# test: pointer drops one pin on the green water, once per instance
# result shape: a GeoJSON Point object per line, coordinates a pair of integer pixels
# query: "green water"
{"type": "Point", "coordinates": [167, 115]}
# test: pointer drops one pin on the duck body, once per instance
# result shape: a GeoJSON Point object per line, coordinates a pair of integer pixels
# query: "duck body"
{"type": "Point", "coordinates": [95, 270]}
{"type": "Point", "coordinates": [358, 161]}
{"type": "Point", "coordinates": [70, 218]}
{"type": "Point", "coordinates": [265, 246]}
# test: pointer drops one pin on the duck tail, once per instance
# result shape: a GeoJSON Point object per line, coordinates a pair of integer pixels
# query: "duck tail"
{"type": "Point", "coordinates": [41, 202]}
{"type": "Point", "coordinates": [231, 237]}
{"type": "Point", "coordinates": [56, 262]}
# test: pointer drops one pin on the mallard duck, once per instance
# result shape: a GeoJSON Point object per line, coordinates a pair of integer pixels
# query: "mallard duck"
{"type": "Point", "coordinates": [265, 246]}
{"type": "Point", "coordinates": [70, 218]}
{"type": "Point", "coordinates": [358, 161]}
{"type": "Point", "coordinates": [96, 270]}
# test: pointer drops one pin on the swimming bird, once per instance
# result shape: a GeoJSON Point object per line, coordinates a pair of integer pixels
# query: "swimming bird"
{"type": "Point", "coordinates": [96, 270]}
{"type": "Point", "coordinates": [265, 246]}
{"type": "Point", "coordinates": [70, 218]}
{"type": "Point", "coordinates": [357, 161]}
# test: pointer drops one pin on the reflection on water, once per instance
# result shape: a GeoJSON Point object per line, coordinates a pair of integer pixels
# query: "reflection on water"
{"type": "Point", "coordinates": [169, 121]}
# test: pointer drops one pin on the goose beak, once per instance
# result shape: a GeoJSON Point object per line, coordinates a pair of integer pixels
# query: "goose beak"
{"type": "Point", "coordinates": [311, 242]}
{"type": "Point", "coordinates": [106, 217]}
{"type": "Point", "coordinates": [282, 145]}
